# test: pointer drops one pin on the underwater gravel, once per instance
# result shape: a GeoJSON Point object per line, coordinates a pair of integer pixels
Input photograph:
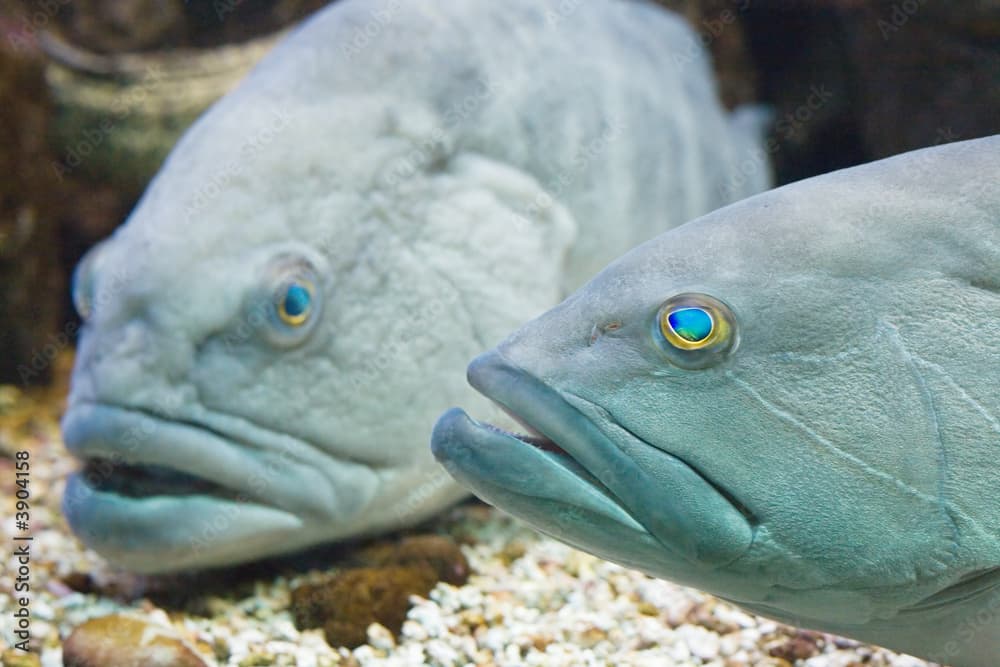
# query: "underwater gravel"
{"type": "Point", "coordinates": [529, 601]}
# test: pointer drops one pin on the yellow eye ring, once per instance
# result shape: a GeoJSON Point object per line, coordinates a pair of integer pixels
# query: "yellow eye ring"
{"type": "Point", "coordinates": [690, 327]}
{"type": "Point", "coordinates": [295, 304]}
{"type": "Point", "coordinates": [695, 330]}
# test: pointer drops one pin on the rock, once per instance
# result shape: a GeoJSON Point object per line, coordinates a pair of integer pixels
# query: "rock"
{"type": "Point", "coordinates": [118, 115]}
{"type": "Point", "coordinates": [440, 552]}
{"type": "Point", "coordinates": [81, 582]}
{"type": "Point", "coordinates": [350, 601]}
{"type": "Point", "coordinates": [30, 276]}
{"type": "Point", "coordinates": [378, 589]}
{"type": "Point", "coordinates": [121, 640]}
{"type": "Point", "coordinates": [15, 658]}
{"type": "Point", "coordinates": [801, 647]}
{"type": "Point", "coordinates": [116, 26]}
{"type": "Point", "coordinates": [132, 25]}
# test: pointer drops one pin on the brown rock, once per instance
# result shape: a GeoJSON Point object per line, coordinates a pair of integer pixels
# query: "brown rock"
{"type": "Point", "coordinates": [82, 582]}
{"type": "Point", "coordinates": [116, 26]}
{"type": "Point", "coordinates": [439, 552]}
{"type": "Point", "coordinates": [121, 640]}
{"type": "Point", "coordinates": [132, 25]}
{"type": "Point", "coordinates": [800, 647]}
{"type": "Point", "coordinates": [350, 601]}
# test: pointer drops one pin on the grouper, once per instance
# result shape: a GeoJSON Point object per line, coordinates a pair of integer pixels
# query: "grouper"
{"type": "Point", "coordinates": [271, 335]}
{"type": "Point", "coordinates": [790, 403]}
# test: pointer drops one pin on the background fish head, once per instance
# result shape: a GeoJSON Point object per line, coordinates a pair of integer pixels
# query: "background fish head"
{"type": "Point", "coordinates": [269, 338]}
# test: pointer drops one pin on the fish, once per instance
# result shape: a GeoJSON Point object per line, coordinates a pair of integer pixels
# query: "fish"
{"type": "Point", "coordinates": [269, 338]}
{"type": "Point", "coordinates": [789, 403]}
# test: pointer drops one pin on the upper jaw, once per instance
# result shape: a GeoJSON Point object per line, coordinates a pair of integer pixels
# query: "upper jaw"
{"type": "Point", "coordinates": [671, 502]}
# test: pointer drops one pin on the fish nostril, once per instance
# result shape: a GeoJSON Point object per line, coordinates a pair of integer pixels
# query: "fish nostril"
{"type": "Point", "coordinates": [600, 329]}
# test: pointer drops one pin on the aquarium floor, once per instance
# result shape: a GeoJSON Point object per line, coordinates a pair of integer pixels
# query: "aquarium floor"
{"type": "Point", "coordinates": [530, 600]}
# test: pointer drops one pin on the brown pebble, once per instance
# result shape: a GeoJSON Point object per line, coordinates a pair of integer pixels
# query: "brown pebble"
{"type": "Point", "coordinates": [648, 609]}
{"type": "Point", "coordinates": [121, 640]}
{"type": "Point", "coordinates": [350, 601]}
{"type": "Point", "coordinates": [513, 552]}
{"type": "Point", "coordinates": [704, 615]}
{"type": "Point", "coordinates": [799, 647]}
{"type": "Point", "coordinates": [81, 582]}
{"type": "Point", "coordinates": [440, 552]}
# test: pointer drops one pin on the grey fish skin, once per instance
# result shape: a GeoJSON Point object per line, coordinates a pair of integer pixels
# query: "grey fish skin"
{"type": "Point", "coordinates": [418, 179]}
{"type": "Point", "coordinates": [836, 467]}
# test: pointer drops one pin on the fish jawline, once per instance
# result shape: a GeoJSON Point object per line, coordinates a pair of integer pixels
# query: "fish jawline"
{"type": "Point", "coordinates": [682, 509]}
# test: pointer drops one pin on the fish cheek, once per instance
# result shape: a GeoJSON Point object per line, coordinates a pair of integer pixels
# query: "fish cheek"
{"type": "Point", "coordinates": [852, 465]}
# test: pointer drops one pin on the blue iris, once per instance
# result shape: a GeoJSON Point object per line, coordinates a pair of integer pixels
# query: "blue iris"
{"type": "Point", "coordinates": [297, 300]}
{"type": "Point", "coordinates": [691, 324]}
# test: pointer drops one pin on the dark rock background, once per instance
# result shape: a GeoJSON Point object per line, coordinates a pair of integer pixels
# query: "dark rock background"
{"type": "Point", "coordinates": [31, 275]}
{"type": "Point", "coordinates": [849, 81]}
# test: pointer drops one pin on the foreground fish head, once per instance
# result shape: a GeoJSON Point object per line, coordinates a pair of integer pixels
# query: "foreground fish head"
{"type": "Point", "coordinates": [788, 402]}
{"type": "Point", "coordinates": [260, 336]}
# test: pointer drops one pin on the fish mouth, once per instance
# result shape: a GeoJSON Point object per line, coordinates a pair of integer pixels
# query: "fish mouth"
{"type": "Point", "coordinates": [145, 481]}
{"type": "Point", "coordinates": [157, 493]}
{"type": "Point", "coordinates": [136, 454]}
{"type": "Point", "coordinates": [578, 460]}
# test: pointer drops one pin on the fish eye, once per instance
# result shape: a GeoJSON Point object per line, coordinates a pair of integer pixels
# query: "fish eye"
{"type": "Point", "coordinates": [695, 330]}
{"type": "Point", "coordinates": [295, 304]}
{"type": "Point", "coordinates": [292, 301]}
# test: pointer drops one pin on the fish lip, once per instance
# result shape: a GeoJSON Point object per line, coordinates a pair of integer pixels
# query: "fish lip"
{"type": "Point", "coordinates": [465, 446]}
{"type": "Point", "coordinates": [160, 534]}
{"type": "Point", "coordinates": [94, 431]}
{"type": "Point", "coordinates": [546, 410]}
